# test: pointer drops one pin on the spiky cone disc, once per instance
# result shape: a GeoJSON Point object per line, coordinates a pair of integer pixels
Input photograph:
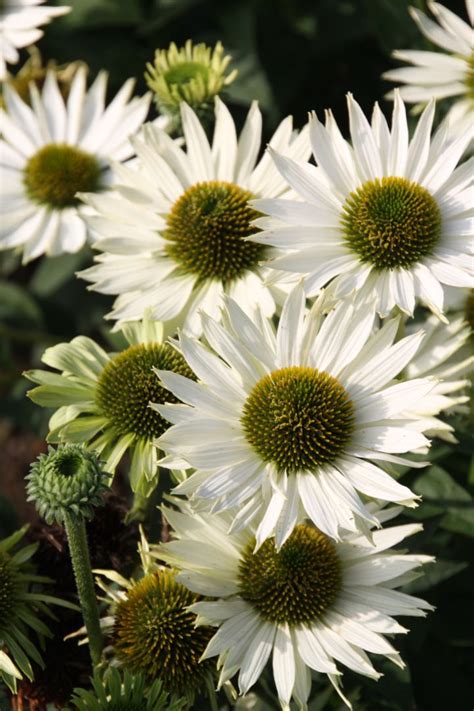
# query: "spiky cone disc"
{"type": "Point", "coordinates": [155, 634]}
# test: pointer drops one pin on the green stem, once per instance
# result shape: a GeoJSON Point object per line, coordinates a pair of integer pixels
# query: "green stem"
{"type": "Point", "coordinates": [77, 540]}
{"type": "Point", "coordinates": [211, 693]}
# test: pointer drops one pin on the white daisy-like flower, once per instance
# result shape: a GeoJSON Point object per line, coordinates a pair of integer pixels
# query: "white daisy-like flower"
{"type": "Point", "coordinates": [102, 398]}
{"type": "Point", "coordinates": [437, 75]}
{"type": "Point", "coordinates": [446, 355]}
{"type": "Point", "coordinates": [54, 149]}
{"type": "Point", "coordinates": [19, 23]}
{"type": "Point", "coordinates": [310, 605]}
{"type": "Point", "coordinates": [284, 426]}
{"type": "Point", "coordinates": [173, 234]}
{"type": "Point", "coordinates": [386, 216]}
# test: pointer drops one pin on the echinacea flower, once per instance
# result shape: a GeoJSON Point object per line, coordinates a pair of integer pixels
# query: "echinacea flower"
{"type": "Point", "coordinates": [102, 398]}
{"type": "Point", "coordinates": [152, 632]}
{"type": "Point", "coordinates": [286, 426]}
{"type": "Point", "coordinates": [54, 149]}
{"type": "Point", "coordinates": [21, 607]}
{"type": "Point", "coordinates": [19, 23]}
{"type": "Point", "coordinates": [310, 605]}
{"type": "Point", "coordinates": [173, 232]}
{"type": "Point", "coordinates": [441, 74]}
{"type": "Point", "coordinates": [386, 216]}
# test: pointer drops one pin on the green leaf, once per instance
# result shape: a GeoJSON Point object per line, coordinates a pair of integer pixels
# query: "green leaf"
{"type": "Point", "coordinates": [55, 271]}
{"type": "Point", "coordinates": [435, 573]}
{"type": "Point", "coordinates": [96, 13]}
{"type": "Point", "coordinates": [239, 26]}
{"type": "Point", "coordinates": [7, 665]}
{"type": "Point", "coordinates": [16, 303]}
{"type": "Point", "coordinates": [18, 653]}
{"type": "Point", "coordinates": [439, 487]}
{"type": "Point", "coordinates": [442, 494]}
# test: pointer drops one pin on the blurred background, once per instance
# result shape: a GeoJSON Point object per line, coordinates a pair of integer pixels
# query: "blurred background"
{"type": "Point", "coordinates": [293, 56]}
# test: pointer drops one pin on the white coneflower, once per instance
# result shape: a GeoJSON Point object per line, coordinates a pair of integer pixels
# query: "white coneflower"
{"type": "Point", "coordinates": [54, 149]}
{"type": "Point", "coordinates": [288, 425]}
{"type": "Point", "coordinates": [173, 234]}
{"type": "Point", "coordinates": [441, 75]}
{"type": "Point", "coordinates": [152, 632]}
{"type": "Point", "coordinates": [310, 605]}
{"type": "Point", "coordinates": [386, 216]}
{"type": "Point", "coordinates": [193, 73]}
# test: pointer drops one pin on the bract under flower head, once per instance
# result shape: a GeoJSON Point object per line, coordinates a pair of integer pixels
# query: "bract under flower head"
{"type": "Point", "coordinates": [124, 692]}
{"type": "Point", "coordinates": [67, 480]}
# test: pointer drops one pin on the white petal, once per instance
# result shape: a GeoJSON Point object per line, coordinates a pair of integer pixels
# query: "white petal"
{"type": "Point", "coordinates": [197, 145]}
{"type": "Point", "coordinates": [311, 651]}
{"type": "Point", "coordinates": [256, 655]}
{"type": "Point", "coordinates": [289, 329]}
{"type": "Point", "coordinates": [224, 144]}
{"type": "Point", "coordinates": [365, 148]}
{"type": "Point", "coordinates": [398, 151]}
{"type": "Point", "coordinates": [390, 439]}
{"type": "Point", "coordinates": [316, 504]}
{"type": "Point", "coordinates": [283, 664]}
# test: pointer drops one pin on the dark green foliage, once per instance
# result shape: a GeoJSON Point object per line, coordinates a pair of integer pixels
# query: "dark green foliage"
{"type": "Point", "coordinates": [123, 692]}
{"type": "Point", "coordinates": [293, 56]}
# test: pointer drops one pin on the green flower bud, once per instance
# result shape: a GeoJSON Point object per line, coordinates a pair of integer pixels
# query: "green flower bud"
{"type": "Point", "coordinates": [194, 74]}
{"type": "Point", "coordinates": [66, 480]}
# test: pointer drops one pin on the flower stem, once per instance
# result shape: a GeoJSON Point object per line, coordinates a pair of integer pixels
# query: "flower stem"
{"type": "Point", "coordinates": [77, 540]}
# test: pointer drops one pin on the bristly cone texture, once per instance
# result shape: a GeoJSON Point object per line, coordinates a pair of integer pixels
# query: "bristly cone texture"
{"type": "Point", "coordinates": [154, 634]}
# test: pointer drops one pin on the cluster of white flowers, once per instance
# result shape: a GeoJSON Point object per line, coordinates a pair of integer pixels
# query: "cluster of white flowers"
{"type": "Point", "coordinates": [293, 381]}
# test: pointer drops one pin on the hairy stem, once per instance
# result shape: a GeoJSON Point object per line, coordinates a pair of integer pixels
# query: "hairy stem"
{"type": "Point", "coordinates": [77, 540]}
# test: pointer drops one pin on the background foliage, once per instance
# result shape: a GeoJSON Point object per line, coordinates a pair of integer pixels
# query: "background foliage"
{"type": "Point", "coordinates": [293, 56]}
